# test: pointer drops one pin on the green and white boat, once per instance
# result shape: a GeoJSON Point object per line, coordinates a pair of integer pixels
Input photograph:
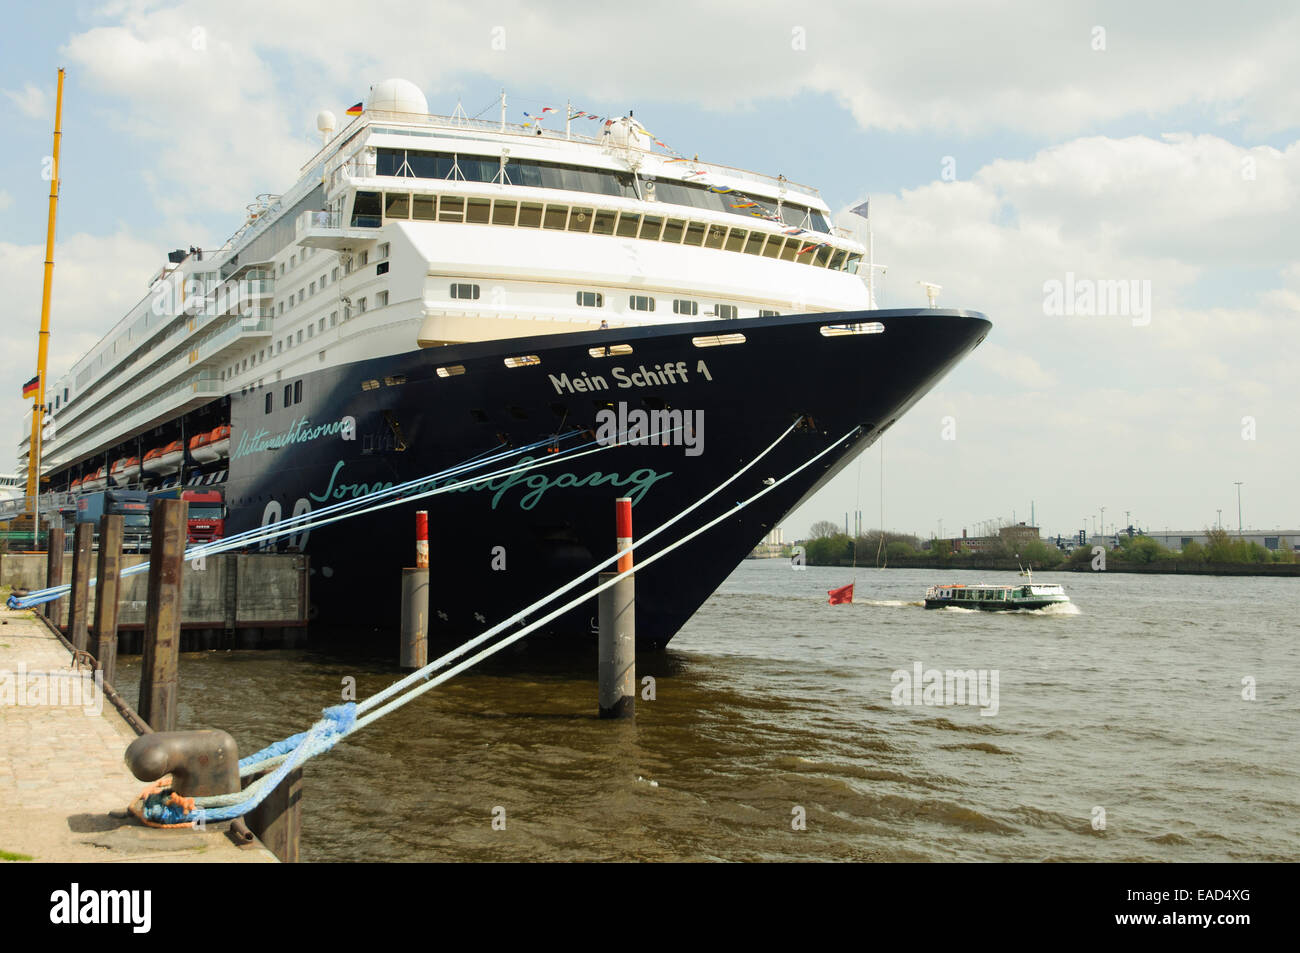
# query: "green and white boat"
{"type": "Point", "coordinates": [1030, 595]}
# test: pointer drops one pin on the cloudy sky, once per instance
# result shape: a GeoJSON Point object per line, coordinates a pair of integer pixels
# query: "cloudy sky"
{"type": "Point", "coordinates": [1004, 146]}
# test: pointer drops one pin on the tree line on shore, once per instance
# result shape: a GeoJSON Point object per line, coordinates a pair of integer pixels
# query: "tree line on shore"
{"type": "Point", "coordinates": [827, 545]}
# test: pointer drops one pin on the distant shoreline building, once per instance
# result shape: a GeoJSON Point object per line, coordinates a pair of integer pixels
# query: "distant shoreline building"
{"type": "Point", "coordinates": [1010, 539]}
{"type": "Point", "coordinates": [1277, 540]}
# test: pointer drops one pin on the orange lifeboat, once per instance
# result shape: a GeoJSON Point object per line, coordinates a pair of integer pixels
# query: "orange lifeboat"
{"type": "Point", "coordinates": [125, 470]}
{"type": "Point", "coordinates": [95, 481]}
{"type": "Point", "coordinates": [162, 461]}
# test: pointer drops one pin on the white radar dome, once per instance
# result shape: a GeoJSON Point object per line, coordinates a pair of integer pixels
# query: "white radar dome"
{"type": "Point", "coordinates": [325, 121]}
{"type": "Point", "coordinates": [399, 96]}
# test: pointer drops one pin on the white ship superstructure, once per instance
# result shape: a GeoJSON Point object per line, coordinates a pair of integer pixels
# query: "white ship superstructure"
{"type": "Point", "coordinates": [409, 230]}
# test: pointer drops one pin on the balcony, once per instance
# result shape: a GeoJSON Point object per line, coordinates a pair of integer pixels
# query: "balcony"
{"type": "Point", "coordinates": [321, 229]}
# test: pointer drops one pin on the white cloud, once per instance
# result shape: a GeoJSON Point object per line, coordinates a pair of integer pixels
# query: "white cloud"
{"type": "Point", "coordinates": [97, 279]}
{"type": "Point", "coordinates": [31, 101]}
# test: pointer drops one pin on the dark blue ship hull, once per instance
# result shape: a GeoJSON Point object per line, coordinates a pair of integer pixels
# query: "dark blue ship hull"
{"type": "Point", "coordinates": [496, 547]}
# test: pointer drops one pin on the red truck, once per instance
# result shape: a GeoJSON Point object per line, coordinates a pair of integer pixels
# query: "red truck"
{"type": "Point", "coordinates": [207, 515]}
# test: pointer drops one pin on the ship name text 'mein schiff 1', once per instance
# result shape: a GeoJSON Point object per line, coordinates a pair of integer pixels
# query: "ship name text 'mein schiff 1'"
{"type": "Point", "coordinates": [435, 290]}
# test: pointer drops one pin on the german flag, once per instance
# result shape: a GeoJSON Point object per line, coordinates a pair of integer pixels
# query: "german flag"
{"type": "Point", "coordinates": [30, 388]}
{"type": "Point", "coordinates": [355, 110]}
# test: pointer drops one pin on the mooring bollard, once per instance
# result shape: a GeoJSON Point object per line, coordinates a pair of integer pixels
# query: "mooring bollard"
{"type": "Point", "coordinates": [54, 573]}
{"type": "Point", "coordinates": [159, 668]}
{"type": "Point", "coordinates": [202, 763]}
{"type": "Point", "coordinates": [616, 654]}
{"type": "Point", "coordinates": [82, 539]}
{"type": "Point", "coordinates": [107, 593]}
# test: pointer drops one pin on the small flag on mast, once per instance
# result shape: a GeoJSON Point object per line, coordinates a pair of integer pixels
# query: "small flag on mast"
{"type": "Point", "coordinates": [864, 209]}
{"type": "Point", "coordinates": [355, 110]}
{"type": "Point", "coordinates": [841, 595]}
{"type": "Point", "coordinates": [30, 388]}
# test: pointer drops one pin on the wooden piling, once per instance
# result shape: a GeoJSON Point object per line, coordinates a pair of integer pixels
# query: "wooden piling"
{"type": "Point", "coordinates": [159, 667]}
{"type": "Point", "coordinates": [54, 574]}
{"type": "Point", "coordinates": [82, 540]}
{"type": "Point", "coordinates": [415, 618]}
{"type": "Point", "coordinates": [277, 821]}
{"type": "Point", "coordinates": [107, 595]}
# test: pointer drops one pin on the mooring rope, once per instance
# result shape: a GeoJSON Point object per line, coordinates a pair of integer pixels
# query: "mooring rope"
{"type": "Point", "coordinates": [340, 721]}
{"type": "Point", "coordinates": [360, 505]}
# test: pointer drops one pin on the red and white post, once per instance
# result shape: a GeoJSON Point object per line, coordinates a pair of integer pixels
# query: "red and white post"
{"type": "Point", "coordinates": [616, 664]}
{"type": "Point", "coordinates": [421, 539]}
{"type": "Point", "coordinates": [415, 600]}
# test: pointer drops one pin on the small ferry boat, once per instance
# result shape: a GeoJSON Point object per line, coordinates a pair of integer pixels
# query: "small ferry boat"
{"type": "Point", "coordinates": [1033, 595]}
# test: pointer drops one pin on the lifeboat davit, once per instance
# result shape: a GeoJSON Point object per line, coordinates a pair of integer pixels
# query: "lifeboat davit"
{"type": "Point", "coordinates": [96, 481]}
{"type": "Point", "coordinates": [125, 470]}
{"type": "Point", "coordinates": [162, 461]}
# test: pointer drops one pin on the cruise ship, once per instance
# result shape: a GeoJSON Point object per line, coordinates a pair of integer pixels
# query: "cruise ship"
{"type": "Point", "coordinates": [435, 289]}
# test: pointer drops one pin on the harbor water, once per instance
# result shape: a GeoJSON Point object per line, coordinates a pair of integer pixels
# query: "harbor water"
{"type": "Point", "coordinates": [1155, 719]}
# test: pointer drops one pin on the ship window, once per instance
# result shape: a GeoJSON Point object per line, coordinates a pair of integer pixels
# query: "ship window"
{"type": "Point", "coordinates": [651, 225]}
{"type": "Point", "coordinates": [478, 211]}
{"type": "Point", "coordinates": [383, 250]}
{"type": "Point", "coordinates": [334, 318]}
{"type": "Point", "coordinates": [837, 261]}
{"type": "Point", "coordinates": [323, 282]}
{"type": "Point", "coordinates": [695, 234]}
{"type": "Point", "coordinates": [755, 244]}
{"type": "Point", "coordinates": [716, 235]}
{"type": "Point", "coordinates": [852, 266]}
{"type": "Point", "coordinates": [279, 346]}
{"type": "Point", "coordinates": [288, 394]}
{"type": "Point", "coordinates": [674, 228]}
{"type": "Point", "coordinates": [281, 307]}
{"type": "Point", "coordinates": [451, 209]}
{"type": "Point", "coordinates": [364, 258]}
{"type": "Point", "coordinates": [423, 209]}
{"type": "Point", "coordinates": [727, 311]}
{"type": "Point", "coordinates": [628, 224]}
{"type": "Point", "coordinates": [293, 261]}
{"type": "Point", "coordinates": [736, 240]}
{"type": "Point", "coordinates": [610, 351]}
{"type": "Point", "coordinates": [768, 313]}
{"type": "Point", "coordinates": [773, 247]}
{"type": "Point", "coordinates": [311, 289]}
{"type": "Point", "coordinates": [297, 392]}
{"type": "Point", "coordinates": [503, 213]}
{"type": "Point", "coordinates": [299, 336]}
{"type": "Point", "coordinates": [382, 268]}
{"type": "Point", "coordinates": [361, 306]}
{"type": "Point", "coordinates": [715, 340]}
{"type": "Point", "coordinates": [465, 291]}
{"type": "Point", "coordinates": [591, 299]}
{"type": "Point", "coordinates": [397, 204]}
{"type": "Point", "coordinates": [580, 220]}
{"type": "Point", "coordinates": [381, 299]}
{"type": "Point", "coordinates": [604, 223]}
{"type": "Point", "coordinates": [530, 214]}
{"type": "Point", "coordinates": [321, 325]}
{"type": "Point", "coordinates": [451, 370]}
{"type": "Point", "coordinates": [334, 275]}
{"type": "Point", "coordinates": [824, 255]}
{"type": "Point", "coordinates": [641, 302]}
{"type": "Point", "coordinates": [683, 306]}
{"type": "Point", "coordinates": [310, 330]}
{"type": "Point", "coordinates": [523, 360]}
{"type": "Point", "coordinates": [557, 216]}
{"type": "Point", "coordinates": [365, 213]}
